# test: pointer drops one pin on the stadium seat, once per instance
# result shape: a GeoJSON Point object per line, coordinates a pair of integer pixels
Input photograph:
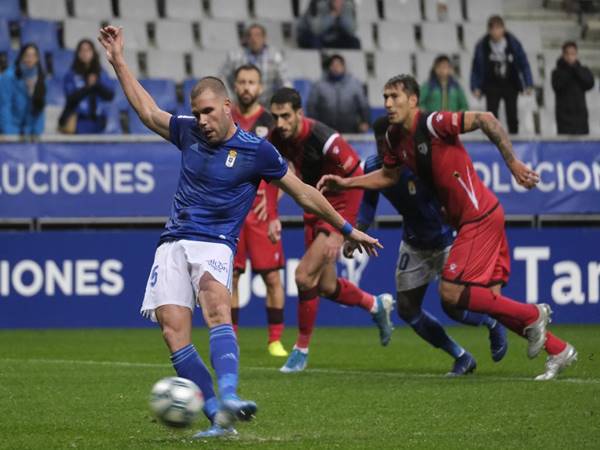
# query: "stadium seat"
{"type": "Point", "coordinates": [389, 64]}
{"type": "Point", "coordinates": [207, 62]}
{"type": "Point", "coordinates": [188, 85]}
{"type": "Point", "coordinates": [305, 64]}
{"type": "Point", "coordinates": [7, 58]}
{"type": "Point", "coordinates": [356, 62]}
{"type": "Point", "coordinates": [274, 10]}
{"type": "Point", "coordinates": [4, 35]}
{"type": "Point", "coordinates": [274, 33]}
{"type": "Point", "coordinates": [188, 10]}
{"type": "Point", "coordinates": [481, 10]}
{"type": "Point", "coordinates": [47, 9]}
{"type": "Point", "coordinates": [55, 94]}
{"type": "Point", "coordinates": [61, 62]}
{"type": "Point", "coordinates": [76, 29]}
{"type": "Point", "coordinates": [547, 122]}
{"type": "Point", "coordinates": [131, 58]}
{"type": "Point", "coordinates": [93, 9]}
{"type": "Point", "coordinates": [375, 91]}
{"type": "Point", "coordinates": [135, 33]}
{"type": "Point", "coordinates": [396, 36]}
{"type": "Point", "coordinates": [439, 37]}
{"type": "Point", "coordinates": [164, 93]}
{"type": "Point", "coordinates": [10, 9]}
{"type": "Point", "coordinates": [219, 35]}
{"type": "Point", "coordinates": [471, 34]}
{"type": "Point", "coordinates": [138, 9]}
{"type": "Point", "coordinates": [454, 11]}
{"type": "Point", "coordinates": [165, 64]}
{"type": "Point", "coordinates": [174, 35]}
{"type": "Point", "coordinates": [364, 31]}
{"type": "Point", "coordinates": [51, 115]}
{"type": "Point", "coordinates": [402, 11]}
{"type": "Point", "coordinates": [527, 107]}
{"type": "Point", "coordinates": [366, 11]}
{"type": "Point", "coordinates": [231, 9]}
{"type": "Point", "coordinates": [465, 64]}
{"type": "Point", "coordinates": [303, 87]}
{"type": "Point", "coordinates": [528, 33]}
{"type": "Point", "coordinates": [594, 121]}
{"type": "Point", "coordinates": [113, 120]}
{"type": "Point", "coordinates": [41, 32]}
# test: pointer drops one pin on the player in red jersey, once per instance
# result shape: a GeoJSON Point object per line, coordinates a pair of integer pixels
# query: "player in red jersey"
{"type": "Point", "coordinates": [260, 237]}
{"type": "Point", "coordinates": [314, 149]}
{"type": "Point", "coordinates": [479, 262]}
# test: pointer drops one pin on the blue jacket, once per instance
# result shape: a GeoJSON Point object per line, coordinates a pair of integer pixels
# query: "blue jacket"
{"type": "Point", "coordinates": [90, 103]}
{"type": "Point", "coordinates": [518, 65]}
{"type": "Point", "coordinates": [16, 115]}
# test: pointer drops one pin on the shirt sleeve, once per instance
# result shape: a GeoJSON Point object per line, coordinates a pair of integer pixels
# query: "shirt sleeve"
{"type": "Point", "coordinates": [445, 124]}
{"type": "Point", "coordinates": [178, 126]}
{"type": "Point", "coordinates": [390, 157]}
{"type": "Point", "coordinates": [340, 153]}
{"type": "Point", "coordinates": [270, 165]}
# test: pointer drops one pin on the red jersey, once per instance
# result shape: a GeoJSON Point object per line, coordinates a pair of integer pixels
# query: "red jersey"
{"type": "Point", "coordinates": [259, 123]}
{"type": "Point", "coordinates": [317, 151]}
{"type": "Point", "coordinates": [458, 187]}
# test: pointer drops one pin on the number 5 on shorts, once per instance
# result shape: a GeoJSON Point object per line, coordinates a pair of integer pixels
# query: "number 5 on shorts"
{"type": "Point", "coordinates": [154, 276]}
{"type": "Point", "coordinates": [403, 262]}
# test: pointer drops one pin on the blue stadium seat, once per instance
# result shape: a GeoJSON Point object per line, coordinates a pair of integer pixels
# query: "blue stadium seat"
{"type": "Point", "coordinates": [55, 94]}
{"type": "Point", "coordinates": [303, 87]}
{"type": "Point", "coordinates": [61, 62]}
{"type": "Point", "coordinates": [188, 85]}
{"type": "Point", "coordinates": [113, 122]}
{"type": "Point", "coordinates": [4, 35]}
{"type": "Point", "coordinates": [43, 33]}
{"type": "Point", "coordinates": [7, 57]}
{"type": "Point", "coordinates": [164, 94]}
{"type": "Point", "coordinates": [10, 9]}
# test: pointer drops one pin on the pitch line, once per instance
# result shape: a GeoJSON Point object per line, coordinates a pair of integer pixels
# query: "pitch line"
{"type": "Point", "coordinates": [391, 374]}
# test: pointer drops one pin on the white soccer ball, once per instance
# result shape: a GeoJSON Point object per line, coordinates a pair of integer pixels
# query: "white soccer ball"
{"type": "Point", "coordinates": [176, 402]}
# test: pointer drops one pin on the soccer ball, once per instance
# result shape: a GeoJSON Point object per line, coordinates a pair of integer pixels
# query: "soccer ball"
{"type": "Point", "coordinates": [176, 401]}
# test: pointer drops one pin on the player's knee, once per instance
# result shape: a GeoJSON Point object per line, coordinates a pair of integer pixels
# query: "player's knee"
{"type": "Point", "coordinates": [303, 280]}
{"type": "Point", "coordinates": [272, 279]}
{"type": "Point", "coordinates": [174, 337]}
{"type": "Point", "coordinates": [328, 288]}
{"type": "Point", "coordinates": [450, 293]}
{"type": "Point", "coordinates": [217, 314]}
{"type": "Point", "coordinates": [407, 310]}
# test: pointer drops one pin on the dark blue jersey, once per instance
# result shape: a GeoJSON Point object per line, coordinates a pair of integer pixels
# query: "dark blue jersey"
{"type": "Point", "coordinates": [217, 184]}
{"type": "Point", "coordinates": [424, 226]}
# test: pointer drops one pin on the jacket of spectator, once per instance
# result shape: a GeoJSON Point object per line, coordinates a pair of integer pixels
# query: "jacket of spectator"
{"type": "Point", "coordinates": [269, 60]}
{"type": "Point", "coordinates": [570, 83]}
{"type": "Point", "coordinates": [432, 96]}
{"type": "Point", "coordinates": [328, 24]}
{"type": "Point", "coordinates": [23, 97]}
{"type": "Point", "coordinates": [340, 102]}
{"type": "Point", "coordinates": [518, 70]}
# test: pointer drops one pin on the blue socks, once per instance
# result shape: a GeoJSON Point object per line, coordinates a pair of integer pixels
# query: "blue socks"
{"type": "Point", "coordinates": [224, 356]}
{"type": "Point", "coordinates": [427, 326]}
{"type": "Point", "coordinates": [475, 319]}
{"type": "Point", "coordinates": [188, 364]}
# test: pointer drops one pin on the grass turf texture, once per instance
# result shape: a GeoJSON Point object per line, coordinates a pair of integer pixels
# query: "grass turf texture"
{"type": "Point", "coordinates": [90, 388]}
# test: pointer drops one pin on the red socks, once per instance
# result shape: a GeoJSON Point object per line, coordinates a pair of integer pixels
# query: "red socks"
{"type": "Point", "coordinates": [553, 344]}
{"type": "Point", "coordinates": [347, 293]}
{"type": "Point", "coordinates": [483, 300]}
{"type": "Point", "coordinates": [308, 306]}
{"type": "Point", "coordinates": [275, 323]}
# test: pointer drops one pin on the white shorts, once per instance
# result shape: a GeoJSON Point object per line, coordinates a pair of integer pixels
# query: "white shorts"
{"type": "Point", "coordinates": [417, 267]}
{"type": "Point", "coordinates": [177, 269]}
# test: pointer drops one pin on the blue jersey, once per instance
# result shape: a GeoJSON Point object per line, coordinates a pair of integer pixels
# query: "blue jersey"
{"type": "Point", "coordinates": [424, 226]}
{"type": "Point", "coordinates": [217, 184]}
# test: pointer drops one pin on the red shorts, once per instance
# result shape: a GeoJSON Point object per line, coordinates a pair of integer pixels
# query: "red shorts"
{"type": "Point", "coordinates": [480, 253]}
{"type": "Point", "coordinates": [346, 203]}
{"type": "Point", "coordinates": [255, 244]}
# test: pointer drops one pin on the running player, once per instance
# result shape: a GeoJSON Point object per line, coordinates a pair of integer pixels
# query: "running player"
{"type": "Point", "coordinates": [479, 262]}
{"type": "Point", "coordinates": [425, 245]}
{"type": "Point", "coordinates": [221, 167]}
{"type": "Point", "coordinates": [260, 237]}
{"type": "Point", "coordinates": [314, 149]}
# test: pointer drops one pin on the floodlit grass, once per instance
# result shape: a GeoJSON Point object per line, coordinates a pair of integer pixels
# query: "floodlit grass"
{"type": "Point", "coordinates": [89, 389]}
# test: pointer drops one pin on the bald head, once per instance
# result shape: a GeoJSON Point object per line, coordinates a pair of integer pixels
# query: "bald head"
{"type": "Point", "coordinates": [213, 84]}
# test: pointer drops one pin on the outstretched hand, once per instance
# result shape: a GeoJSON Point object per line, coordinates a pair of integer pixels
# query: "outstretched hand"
{"type": "Point", "coordinates": [525, 176]}
{"type": "Point", "coordinates": [330, 182]}
{"type": "Point", "coordinates": [363, 241]}
{"type": "Point", "coordinates": [111, 39]}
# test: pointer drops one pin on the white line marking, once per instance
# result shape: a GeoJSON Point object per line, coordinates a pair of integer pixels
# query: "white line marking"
{"type": "Point", "coordinates": [393, 374]}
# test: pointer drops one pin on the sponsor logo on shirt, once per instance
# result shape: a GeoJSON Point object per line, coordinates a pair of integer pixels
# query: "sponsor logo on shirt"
{"type": "Point", "coordinates": [217, 266]}
{"type": "Point", "coordinates": [439, 117]}
{"type": "Point", "coordinates": [261, 131]}
{"type": "Point", "coordinates": [231, 158]}
{"type": "Point", "coordinates": [422, 148]}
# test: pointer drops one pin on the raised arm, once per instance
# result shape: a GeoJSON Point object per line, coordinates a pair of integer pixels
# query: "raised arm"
{"type": "Point", "coordinates": [379, 179]}
{"type": "Point", "coordinates": [312, 200]}
{"type": "Point", "coordinates": [144, 105]}
{"type": "Point", "coordinates": [493, 129]}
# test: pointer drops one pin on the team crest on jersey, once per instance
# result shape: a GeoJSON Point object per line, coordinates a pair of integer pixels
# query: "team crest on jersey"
{"type": "Point", "coordinates": [422, 148]}
{"type": "Point", "coordinates": [231, 158]}
{"type": "Point", "coordinates": [261, 131]}
{"type": "Point", "coordinates": [412, 188]}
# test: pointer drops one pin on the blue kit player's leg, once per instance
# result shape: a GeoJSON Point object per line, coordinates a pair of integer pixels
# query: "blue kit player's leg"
{"type": "Point", "coordinates": [429, 328]}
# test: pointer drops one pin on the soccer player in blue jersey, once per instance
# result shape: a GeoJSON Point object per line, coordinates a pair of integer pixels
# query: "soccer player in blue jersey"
{"type": "Point", "coordinates": [221, 168]}
{"type": "Point", "coordinates": [426, 241]}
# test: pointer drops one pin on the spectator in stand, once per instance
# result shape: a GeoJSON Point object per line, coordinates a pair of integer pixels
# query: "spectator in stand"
{"type": "Point", "coordinates": [23, 95]}
{"type": "Point", "coordinates": [257, 52]}
{"type": "Point", "coordinates": [442, 91]}
{"type": "Point", "coordinates": [328, 24]}
{"type": "Point", "coordinates": [339, 99]}
{"type": "Point", "coordinates": [570, 81]}
{"type": "Point", "coordinates": [500, 71]}
{"type": "Point", "coordinates": [88, 90]}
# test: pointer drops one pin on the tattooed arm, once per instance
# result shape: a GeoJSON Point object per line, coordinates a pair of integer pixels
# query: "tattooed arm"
{"type": "Point", "coordinates": [493, 129]}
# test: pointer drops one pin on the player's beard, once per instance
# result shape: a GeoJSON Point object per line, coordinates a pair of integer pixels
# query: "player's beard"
{"type": "Point", "coordinates": [246, 99]}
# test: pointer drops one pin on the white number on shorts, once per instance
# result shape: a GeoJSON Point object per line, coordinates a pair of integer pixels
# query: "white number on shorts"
{"type": "Point", "coordinates": [404, 257]}
{"type": "Point", "coordinates": [154, 276]}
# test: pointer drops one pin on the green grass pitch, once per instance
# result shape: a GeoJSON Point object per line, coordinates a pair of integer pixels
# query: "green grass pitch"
{"type": "Point", "coordinates": [89, 389]}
